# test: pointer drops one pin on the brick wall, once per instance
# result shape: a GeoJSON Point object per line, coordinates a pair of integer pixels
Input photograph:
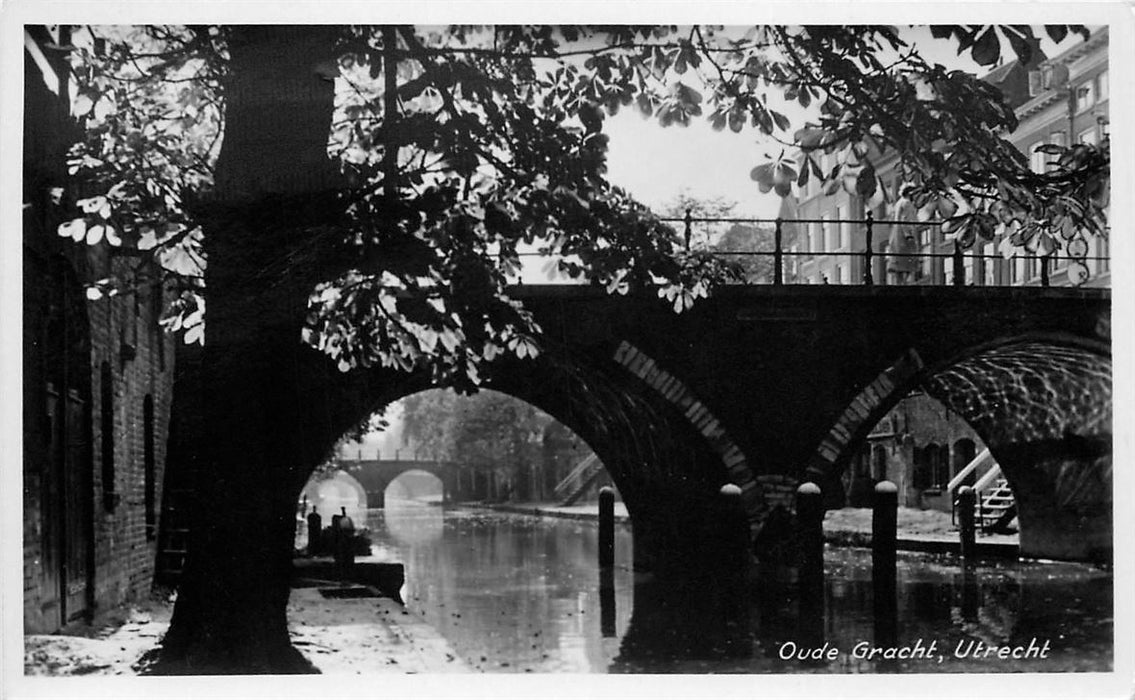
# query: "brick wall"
{"type": "Point", "coordinates": [124, 554]}
{"type": "Point", "coordinates": [55, 272]}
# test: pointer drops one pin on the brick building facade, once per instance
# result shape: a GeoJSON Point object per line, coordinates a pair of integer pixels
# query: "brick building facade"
{"type": "Point", "coordinates": [97, 385]}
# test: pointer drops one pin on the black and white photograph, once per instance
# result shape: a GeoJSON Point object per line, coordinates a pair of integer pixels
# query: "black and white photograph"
{"type": "Point", "coordinates": [374, 349]}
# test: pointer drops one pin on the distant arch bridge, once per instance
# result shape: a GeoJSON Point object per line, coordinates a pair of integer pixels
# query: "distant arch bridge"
{"type": "Point", "coordinates": [375, 475]}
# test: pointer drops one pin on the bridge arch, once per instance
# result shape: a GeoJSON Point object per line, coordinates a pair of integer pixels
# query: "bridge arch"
{"type": "Point", "coordinates": [681, 397]}
{"type": "Point", "coordinates": [421, 476]}
{"type": "Point", "coordinates": [375, 476]}
{"type": "Point", "coordinates": [667, 473]}
{"type": "Point", "coordinates": [1042, 405]}
{"type": "Point", "coordinates": [337, 489]}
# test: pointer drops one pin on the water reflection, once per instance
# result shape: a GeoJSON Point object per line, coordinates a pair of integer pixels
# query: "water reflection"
{"type": "Point", "coordinates": [510, 593]}
{"type": "Point", "coordinates": [516, 593]}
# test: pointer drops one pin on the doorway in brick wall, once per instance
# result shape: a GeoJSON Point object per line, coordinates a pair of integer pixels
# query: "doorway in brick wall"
{"type": "Point", "coordinates": [67, 476]}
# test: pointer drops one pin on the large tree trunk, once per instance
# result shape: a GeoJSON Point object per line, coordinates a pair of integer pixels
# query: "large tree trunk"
{"type": "Point", "coordinates": [258, 444]}
{"type": "Point", "coordinates": [230, 615]}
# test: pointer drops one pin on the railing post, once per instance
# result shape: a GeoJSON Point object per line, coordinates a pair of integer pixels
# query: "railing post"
{"type": "Point", "coordinates": [1044, 269]}
{"type": "Point", "coordinates": [778, 254]}
{"type": "Point", "coordinates": [959, 266]}
{"type": "Point", "coordinates": [689, 227]}
{"type": "Point", "coordinates": [868, 253]}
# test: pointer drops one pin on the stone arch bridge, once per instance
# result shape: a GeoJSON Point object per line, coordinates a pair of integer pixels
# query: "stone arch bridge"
{"type": "Point", "coordinates": [374, 475]}
{"type": "Point", "coordinates": [763, 387]}
{"type": "Point", "coordinates": [766, 387]}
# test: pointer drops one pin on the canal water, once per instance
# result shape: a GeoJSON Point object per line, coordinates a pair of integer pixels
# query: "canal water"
{"type": "Point", "coordinates": [516, 593]}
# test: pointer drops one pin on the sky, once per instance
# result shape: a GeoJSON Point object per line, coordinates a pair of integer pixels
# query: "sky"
{"type": "Point", "coordinates": [655, 164]}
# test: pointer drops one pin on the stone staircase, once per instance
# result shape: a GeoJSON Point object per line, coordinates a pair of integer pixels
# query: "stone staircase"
{"type": "Point", "coordinates": [576, 483]}
{"type": "Point", "coordinates": [997, 507]}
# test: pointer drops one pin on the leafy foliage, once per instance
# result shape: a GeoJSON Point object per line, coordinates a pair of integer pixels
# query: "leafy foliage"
{"type": "Point", "coordinates": [468, 148]}
{"type": "Point", "coordinates": [948, 129]}
{"type": "Point", "coordinates": [716, 228]}
{"type": "Point", "coordinates": [476, 146]}
{"type": "Point", "coordinates": [148, 98]}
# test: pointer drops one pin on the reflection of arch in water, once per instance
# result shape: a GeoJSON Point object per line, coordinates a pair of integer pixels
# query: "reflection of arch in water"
{"type": "Point", "coordinates": [332, 492]}
{"type": "Point", "coordinates": [412, 522]}
{"type": "Point", "coordinates": [414, 484]}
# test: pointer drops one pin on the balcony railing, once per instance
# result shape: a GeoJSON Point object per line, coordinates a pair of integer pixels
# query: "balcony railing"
{"type": "Point", "coordinates": [867, 253]}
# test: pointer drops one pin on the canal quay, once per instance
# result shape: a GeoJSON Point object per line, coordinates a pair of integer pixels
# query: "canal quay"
{"type": "Point", "coordinates": [497, 589]}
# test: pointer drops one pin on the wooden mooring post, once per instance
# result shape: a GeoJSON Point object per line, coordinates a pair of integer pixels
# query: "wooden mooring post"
{"type": "Point", "coordinates": [884, 544]}
{"type": "Point", "coordinates": [606, 527]}
{"type": "Point", "coordinates": [967, 501]}
{"type": "Point", "coordinates": [810, 514]}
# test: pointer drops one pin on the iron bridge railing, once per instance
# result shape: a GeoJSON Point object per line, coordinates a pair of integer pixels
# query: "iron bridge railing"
{"type": "Point", "coordinates": [866, 254]}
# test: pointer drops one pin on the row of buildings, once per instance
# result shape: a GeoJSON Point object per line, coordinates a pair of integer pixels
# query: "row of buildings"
{"type": "Point", "coordinates": [920, 445]}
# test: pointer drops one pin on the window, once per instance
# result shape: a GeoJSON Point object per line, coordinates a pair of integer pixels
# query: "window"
{"type": "Point", "coordinates": [1088, 136]}
{"type": "Point", "coordinates": [1056, 138]}
{"type": "Point", "coordinates": [843, 227]}
{"type": "Point", "coordinates": [968, 262]}
{"type": "Point", "coordinates": [106, 429]}
{"type": "Point", "coordinates": [963, 454]}
{"type": "Point", "coordinates": [157, 335]}
{"type": "Point", "coordinates": [928, 268]}
{"type": "Point", "coordinates": [1099, 248]}
{"type": "Point", "coordinates": [989, 264]}
{"type": "Point", "coordinates": [149, 467]}
{"type": "Point", "coordinates": [1037, 159]}
{"type": "Point", "coordinates": [1085, 96]}
{"type": "Point", "coordinates": [829, 235]}
{"type": "Point", "coordinates": [1102, 89]}
{"type": "Point", "coordinates": [925, 459]}
{"type": "Point", "coordinates": [837, 275]}
{"type": "Point", "coordinates": [815, 242]}
{"type": "Point", "coordinates": [878, 463]}
{"type": "Point", "coordinates": [940, 467]}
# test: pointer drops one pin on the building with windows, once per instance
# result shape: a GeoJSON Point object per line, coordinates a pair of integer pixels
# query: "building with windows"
{"type": "Point", "coordinates": [1060, 100]}
{"type": "Point", "coordinates": [97, 386]}
{"type": "Point", "coordinates": [920, 445]}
